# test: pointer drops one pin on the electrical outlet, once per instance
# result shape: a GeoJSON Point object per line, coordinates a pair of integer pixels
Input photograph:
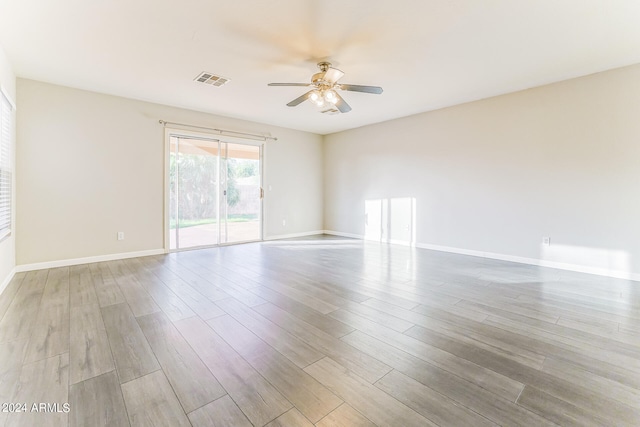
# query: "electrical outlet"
{"type": "Point", "coordinates": [120, 235]}
{"type": "Point", "coordinates": [284, 222]}
{"type": "Point", "coordinates": [546, 241]}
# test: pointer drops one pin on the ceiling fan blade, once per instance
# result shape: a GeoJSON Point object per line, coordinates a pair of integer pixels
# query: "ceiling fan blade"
{"type": "Point", "coordinates": [342, 104]}
{"type": "Point", "coordinates": [289, 84]}
{"type": "Point", "coordinates": [299, 99]}
{"type": "Point", "coordinates": [359, 88]}
{"type": "Point", "coordinates": [332, 75]}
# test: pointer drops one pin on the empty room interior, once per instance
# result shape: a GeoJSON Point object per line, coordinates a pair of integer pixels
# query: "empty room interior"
{"type": "Point", "coordinates": [320, 213]}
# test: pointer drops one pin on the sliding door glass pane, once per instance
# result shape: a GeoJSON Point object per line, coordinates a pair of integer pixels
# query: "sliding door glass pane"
{"type": "Point", "coordinates": [242, 203]}
{"type": "Point", "coordinates": [194, 173]}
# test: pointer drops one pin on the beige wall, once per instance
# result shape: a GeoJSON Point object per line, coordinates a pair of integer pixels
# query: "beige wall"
{"type": "Point", "coordinates": [90, 165]}
{"type": "Point", "coordinates": [7, 246]}
{"type": "Point", "coordinates": [495, 176]}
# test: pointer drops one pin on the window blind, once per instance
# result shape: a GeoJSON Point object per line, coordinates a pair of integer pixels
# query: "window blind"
{"type": "Point", "coordinates": [6, 173]}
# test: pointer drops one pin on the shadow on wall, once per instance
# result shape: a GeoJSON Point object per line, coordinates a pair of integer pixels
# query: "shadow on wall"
{"type": "Point", "coordinates": [391, 220]}
{"type": "Point", "coordinates": [616, 263]}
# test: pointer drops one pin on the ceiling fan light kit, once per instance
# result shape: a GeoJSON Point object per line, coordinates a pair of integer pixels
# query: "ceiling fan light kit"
{"type": "Point", "coordinates": [320, 98]}
{"type": "Point", "coordinates": [325, 86]}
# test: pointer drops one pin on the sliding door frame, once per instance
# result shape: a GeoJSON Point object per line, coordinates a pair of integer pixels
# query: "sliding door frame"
{"type": "Point", "coordinates": [189, 134]}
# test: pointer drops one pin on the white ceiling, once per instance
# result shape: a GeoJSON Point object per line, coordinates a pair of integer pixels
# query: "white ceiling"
{"type": "Point", "coordinates": [426, 54]}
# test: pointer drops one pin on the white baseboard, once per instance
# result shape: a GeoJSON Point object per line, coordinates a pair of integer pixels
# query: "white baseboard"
{"type": "Point", "coordinates": [598, 271]}
{"type": "Point", "coordinates": [7, 279]}
{"type": "Point", "coordinates": [341, 234]}
{"type": "Point", "coordinates": [617, 274]}
{"type": "Point", "coordinates": [87, 260]}
{"type": "Point", "coordinates": [293, 235]}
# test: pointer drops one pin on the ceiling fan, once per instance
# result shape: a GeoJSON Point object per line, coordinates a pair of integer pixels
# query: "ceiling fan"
{"type": "Point", "coordinates": [325, 88]}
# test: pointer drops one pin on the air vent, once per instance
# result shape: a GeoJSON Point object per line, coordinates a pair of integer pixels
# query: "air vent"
{"type": "Point", "coordinates": [211, 79]}
{"type": "Point", "coordinates": [330, 111]}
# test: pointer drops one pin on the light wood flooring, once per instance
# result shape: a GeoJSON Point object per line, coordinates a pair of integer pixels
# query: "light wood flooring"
{"type": "Point", "coordinates": [318, 331]}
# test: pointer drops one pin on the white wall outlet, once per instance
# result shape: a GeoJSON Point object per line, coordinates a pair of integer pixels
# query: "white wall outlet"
{"type": "Point", "coordinates": [120, 235]}
{"type": "Point", "coordinates": [284, 222]}
{"type": "Point", "coordinates": [546, 241]}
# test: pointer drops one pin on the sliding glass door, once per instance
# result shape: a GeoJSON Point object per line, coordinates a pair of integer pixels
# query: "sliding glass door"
{"type": "Point", "coordinates": [214, 192]}
{"type": "Point", "coordinates": [242, 196]}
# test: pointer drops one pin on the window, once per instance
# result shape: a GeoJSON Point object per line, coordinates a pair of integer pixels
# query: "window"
{"type": "Point", "coordinates": [6, 138]}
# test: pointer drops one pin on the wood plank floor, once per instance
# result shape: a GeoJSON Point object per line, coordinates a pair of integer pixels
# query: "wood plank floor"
{"type": "Point", "coordinates": [320, 331]}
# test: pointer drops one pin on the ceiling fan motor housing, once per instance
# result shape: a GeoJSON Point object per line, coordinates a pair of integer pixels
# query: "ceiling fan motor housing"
{"type": "Point", "coordinates": [317, 77]}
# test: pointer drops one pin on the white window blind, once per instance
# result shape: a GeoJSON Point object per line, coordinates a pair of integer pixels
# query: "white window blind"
{"type": "Point", "coordinates": [6, 138]}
